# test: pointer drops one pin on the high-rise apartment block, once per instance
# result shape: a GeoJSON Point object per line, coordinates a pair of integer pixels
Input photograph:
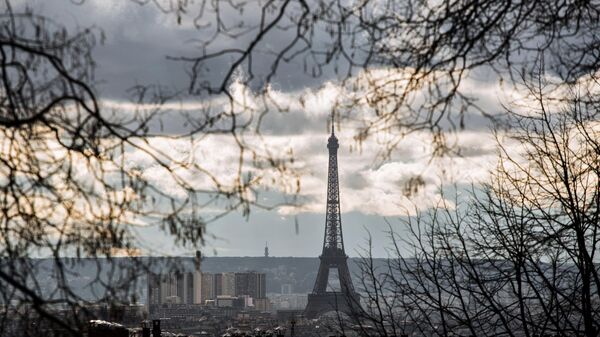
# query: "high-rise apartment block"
{"type": "Point", "coordinates": [197, 287]}
{"type": "Point", "coordinates": [174, 288]}
{"type": "Point", "coordinates": [252, 284]}
{"type": "Point", "coordinates": [205, 288]}
{"type": "Point", "coordinates": [228, 284]}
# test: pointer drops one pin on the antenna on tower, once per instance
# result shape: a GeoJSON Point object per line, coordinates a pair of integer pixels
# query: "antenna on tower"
{"type": "Point", "coordinates": [332, 124]}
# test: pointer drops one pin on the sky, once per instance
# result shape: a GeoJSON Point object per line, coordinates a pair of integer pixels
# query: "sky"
{"type": "Point", "coordinates": [137, 41]}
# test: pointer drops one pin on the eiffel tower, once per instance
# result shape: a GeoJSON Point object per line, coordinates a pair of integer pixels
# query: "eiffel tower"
{"type": "Point", "coordinates": [324, 299]}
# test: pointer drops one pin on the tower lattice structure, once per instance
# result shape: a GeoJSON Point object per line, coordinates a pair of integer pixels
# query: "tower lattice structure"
{"type": "Point", "coordinates": [323, 298]}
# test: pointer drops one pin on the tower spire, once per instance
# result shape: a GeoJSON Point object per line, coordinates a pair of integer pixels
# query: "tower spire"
{"type": "Point", "coordinates": [332, 124]}
{"type": "Point", "coordinates": [333, 223]}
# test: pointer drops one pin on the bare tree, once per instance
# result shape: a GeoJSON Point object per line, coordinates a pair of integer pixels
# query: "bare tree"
{"type": "Point", "coordinates": [519, 258]}
{"type": "Point", "coordinates": [522, 257]}
{"type": "Point", "coordinates": [402, 64]}
{"type": "Point", "coordinates": [66, 184]}
{"type": "Point", "coordinates": [69, 190]}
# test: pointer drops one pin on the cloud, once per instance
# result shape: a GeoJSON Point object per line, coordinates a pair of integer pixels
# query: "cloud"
{"type": "Point", "coordinates": [410, 179]}
{"type": "Point", "coordinates": [139, 37]}
{"type": "Point", "coordinates": [399, 186]}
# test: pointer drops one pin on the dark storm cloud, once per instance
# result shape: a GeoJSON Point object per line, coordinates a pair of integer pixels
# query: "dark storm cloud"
{"type": "Point", "coordinates": [138, 39]}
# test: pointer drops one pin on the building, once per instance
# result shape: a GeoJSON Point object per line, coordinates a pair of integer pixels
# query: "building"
{"type": "Point", "coordinates": [288, 301]}
{"type": "Point", "coordinates": [98, 328]}
{"type": "Point", "coordinates": [172, 288]}
{"type": "Point", "coordinates": [252, 284]}
{"type": "Point", "coordinates": [230, 301]}
{"type": "Point", "coordinates": [154, 288]}
{"type": "Point", "coordinates": [188, 290]}
{"type": "Point", "coordinates": [242, 284]}
{"type": "Point", "coordinates": [262, 304]}
{"type": "Point", "coordinates": [228, 284]}
{"type": "Point", "coordinates": [204, 285]}
{"type": "Point", "coordinates": [217, 285]}
{"type": "Point", "coordinates": [183, 288]}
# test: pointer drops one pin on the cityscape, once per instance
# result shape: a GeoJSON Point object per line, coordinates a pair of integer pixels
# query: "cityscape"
{"type": "Point", "coordinates": [197, 303]}
{"type": "Point", "coordinates": [299, 168]}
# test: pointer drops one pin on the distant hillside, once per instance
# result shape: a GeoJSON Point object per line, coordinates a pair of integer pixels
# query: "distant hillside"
{"type": "Point", "coordinates": [300, 272]}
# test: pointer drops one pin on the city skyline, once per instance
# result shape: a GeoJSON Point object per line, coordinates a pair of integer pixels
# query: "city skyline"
{"type": "Point", "coordinates": [182, 167]}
